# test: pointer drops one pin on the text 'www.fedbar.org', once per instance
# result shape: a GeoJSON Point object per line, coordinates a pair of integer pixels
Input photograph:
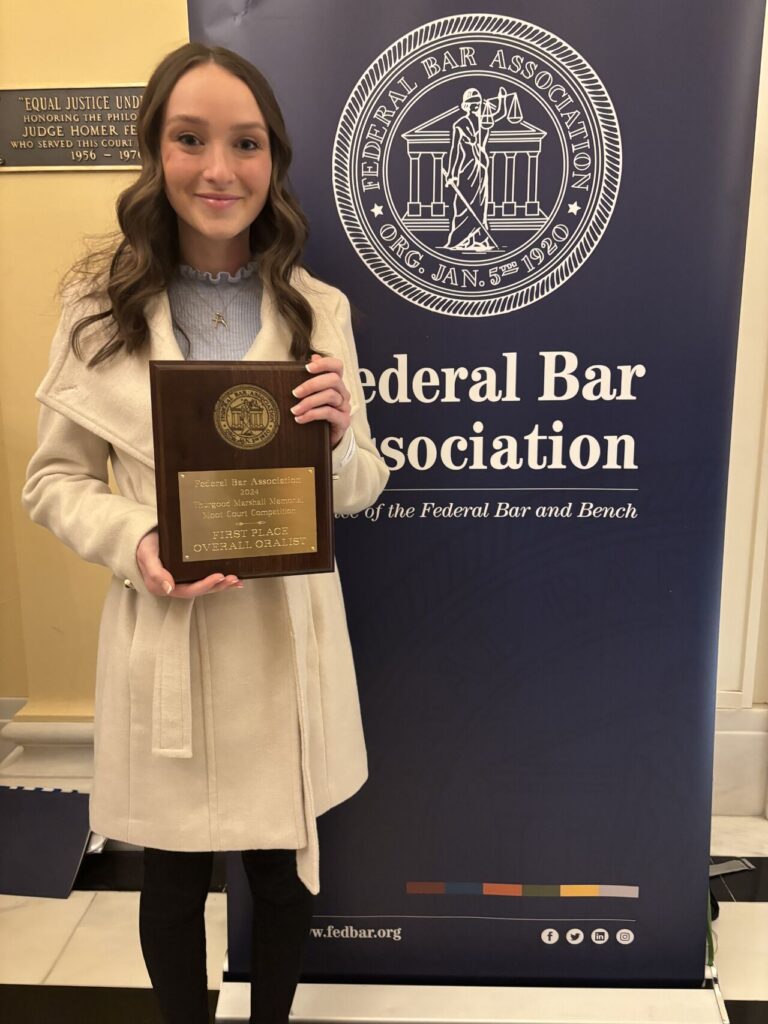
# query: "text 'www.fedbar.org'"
{"type": "Point", "coordinates": [350, 931]}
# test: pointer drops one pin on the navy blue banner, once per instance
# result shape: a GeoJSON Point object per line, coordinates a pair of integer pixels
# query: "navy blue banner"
{"type": "Point", "coordinates": [539, 213]}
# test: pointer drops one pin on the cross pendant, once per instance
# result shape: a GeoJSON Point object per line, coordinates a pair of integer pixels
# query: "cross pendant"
{"type": "Point", "coordinates": [218, 318]}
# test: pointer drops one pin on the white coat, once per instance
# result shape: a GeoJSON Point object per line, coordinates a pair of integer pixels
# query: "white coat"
{"type": "Point", "coordinates": [227, 722]}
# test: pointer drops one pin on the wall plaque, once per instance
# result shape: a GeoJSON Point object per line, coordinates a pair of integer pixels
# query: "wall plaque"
{"type": "Point", "coordinates": [69, 129]}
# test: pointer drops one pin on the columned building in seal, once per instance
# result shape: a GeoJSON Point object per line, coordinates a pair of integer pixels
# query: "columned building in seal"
{"type": "Point", "coordinates": [513, 148]}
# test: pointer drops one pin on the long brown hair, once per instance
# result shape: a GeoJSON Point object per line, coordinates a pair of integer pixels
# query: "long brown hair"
{"type": "Point", "coordinates": [139, 262]}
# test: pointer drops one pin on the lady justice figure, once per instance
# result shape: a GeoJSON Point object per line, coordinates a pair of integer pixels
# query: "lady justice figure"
{"type": "Point", "coordinates": [468, 171]}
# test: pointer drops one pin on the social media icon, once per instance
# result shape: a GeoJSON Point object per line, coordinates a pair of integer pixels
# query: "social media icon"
{"type": "Point", "coordinates": [574, 936]}
{"type": "Point", "coordinates": [600, 936]}
{"type": "Point", "coordinates": [550, 936]}
{"type": "Point", "coordinates": [625, 936]}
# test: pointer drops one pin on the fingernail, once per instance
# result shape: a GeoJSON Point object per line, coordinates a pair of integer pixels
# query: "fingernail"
{"type": "Point", "coordinates": [239, 586]}
{"type": "Point", "coordinates": [294, 408]}
{"type": "Point", "coordinates": [167, 587]}
{"type": "Point", "coordinates": [309, 366]}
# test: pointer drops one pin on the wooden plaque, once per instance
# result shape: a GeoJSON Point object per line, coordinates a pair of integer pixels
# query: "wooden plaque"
{"type": "Point", "coordinates": [242, 488]}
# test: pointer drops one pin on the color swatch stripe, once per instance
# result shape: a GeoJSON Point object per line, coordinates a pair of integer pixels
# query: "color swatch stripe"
{"type": "Point", "coordinates": [425, 888]}
{"type": "Point", "coordinates": [463, 888]}
{"type": "Point", "coordinates": [579, 890]}
{"type": "Point", "coordinates": [502, 889]}
{"type": "Point", "coordinates": [521, 889]}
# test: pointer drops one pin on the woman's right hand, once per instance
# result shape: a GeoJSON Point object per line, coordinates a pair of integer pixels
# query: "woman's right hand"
{"type": "Point", "coordinates": [159, 581]}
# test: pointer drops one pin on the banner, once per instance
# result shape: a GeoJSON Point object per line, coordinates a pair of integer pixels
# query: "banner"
{"type": "Point", "coordinates": [539, 214]}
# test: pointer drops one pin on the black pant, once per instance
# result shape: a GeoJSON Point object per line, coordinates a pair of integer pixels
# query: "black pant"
{"type": "Point", "coordinates": [172, 931]}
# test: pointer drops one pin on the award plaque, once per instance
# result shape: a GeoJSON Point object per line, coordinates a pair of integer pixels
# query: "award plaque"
{"type": "Point", "coordinates": [242, 488]}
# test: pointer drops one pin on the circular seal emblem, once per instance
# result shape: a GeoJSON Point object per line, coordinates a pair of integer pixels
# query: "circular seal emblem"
{"type": "Point", "coordinates": [476, 164]}
{"type": "Point", "coordinates": [246, 416]}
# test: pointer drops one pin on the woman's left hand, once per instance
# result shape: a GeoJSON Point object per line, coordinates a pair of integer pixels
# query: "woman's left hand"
{"type": "Point", "coordinates": [324, 396]}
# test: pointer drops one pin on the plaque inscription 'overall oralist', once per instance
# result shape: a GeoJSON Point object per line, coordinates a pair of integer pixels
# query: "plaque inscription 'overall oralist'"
{"type": "Point", "coordinates": [241, 487]}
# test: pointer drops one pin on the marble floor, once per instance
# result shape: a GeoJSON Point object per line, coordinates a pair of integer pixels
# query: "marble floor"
{"type": "Point", "coordinates": [84, 951]}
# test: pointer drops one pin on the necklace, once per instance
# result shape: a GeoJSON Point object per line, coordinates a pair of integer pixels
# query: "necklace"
{"type": "Point", "coordinates": [218, 319]}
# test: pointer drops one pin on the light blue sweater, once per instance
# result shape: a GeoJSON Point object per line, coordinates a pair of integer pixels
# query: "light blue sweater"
{"type": "Point", "coordinates": [196, 296]}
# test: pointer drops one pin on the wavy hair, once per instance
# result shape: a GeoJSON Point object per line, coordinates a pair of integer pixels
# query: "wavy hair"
{"type": "Point", "coordinates": [139, 261]}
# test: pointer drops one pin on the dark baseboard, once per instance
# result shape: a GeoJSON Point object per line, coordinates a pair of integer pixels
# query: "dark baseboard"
{"type": "Point", "coordinates": [743, 886]}
{"type": "Point", "coordinates": [746, 1011]}
{"type": "Point", "coordinates": [123, 871]}
{"type": "Point", "coordinates": [71, 1004]}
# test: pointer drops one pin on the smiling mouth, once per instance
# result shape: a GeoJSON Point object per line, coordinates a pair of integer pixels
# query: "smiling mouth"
{"type": "Point", "coordinates": [217, 200]}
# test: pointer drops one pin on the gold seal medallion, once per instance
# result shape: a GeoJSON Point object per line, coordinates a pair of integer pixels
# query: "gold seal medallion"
{"type": "Point", "coordinates": [246, 416]}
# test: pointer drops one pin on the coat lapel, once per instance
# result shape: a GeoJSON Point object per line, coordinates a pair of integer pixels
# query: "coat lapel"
{"type": "Point", "coordinates": [113, 400]}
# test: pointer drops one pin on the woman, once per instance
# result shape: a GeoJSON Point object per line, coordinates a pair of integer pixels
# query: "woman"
{"type": "Point", "coordinates": [226, 713]}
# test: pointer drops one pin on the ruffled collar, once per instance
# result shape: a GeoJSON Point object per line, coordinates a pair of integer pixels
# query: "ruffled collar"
{"type": "Point", "coordinates": [223, 276]}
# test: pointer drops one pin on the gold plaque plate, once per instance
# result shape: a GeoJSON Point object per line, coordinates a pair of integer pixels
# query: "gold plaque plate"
{"type": "Point", "coordinates": [247, 513]}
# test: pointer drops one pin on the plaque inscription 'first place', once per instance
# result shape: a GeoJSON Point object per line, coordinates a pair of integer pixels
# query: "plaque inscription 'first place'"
{"type": "Point", "coordinates": [250, 513]}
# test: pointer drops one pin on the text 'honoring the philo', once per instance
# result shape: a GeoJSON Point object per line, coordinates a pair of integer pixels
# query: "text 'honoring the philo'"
{"type": "Point", "coordinates": [542, 446]}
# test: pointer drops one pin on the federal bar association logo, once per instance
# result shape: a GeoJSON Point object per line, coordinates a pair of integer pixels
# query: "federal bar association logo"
{"type": "Point", "coordinates": [476, 164]}
{"type": "Point", "coordinates": [246, 416]}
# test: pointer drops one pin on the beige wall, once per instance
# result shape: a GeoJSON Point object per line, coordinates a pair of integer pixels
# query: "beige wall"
{"type": "Point", "coordinates": [49, 600]}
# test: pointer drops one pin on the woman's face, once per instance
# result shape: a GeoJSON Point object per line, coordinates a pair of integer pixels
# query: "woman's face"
{"type": "Point", "coordinates": [216, 162]}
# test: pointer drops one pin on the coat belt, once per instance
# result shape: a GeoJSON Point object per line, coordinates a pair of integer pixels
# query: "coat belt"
{"type": "Point", "coordinates": [171, 697]}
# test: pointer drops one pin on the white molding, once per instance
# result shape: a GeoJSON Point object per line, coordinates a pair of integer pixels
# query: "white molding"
{"type": "Point", "coordinates": [48, 752]}
{"type": "Point", "coordinates": [746, 528]}
{"type": "Point", "coordinates": [756, 621]}
{"type": "Point", "coordinates": [8, 708]}
{"type": "Point", "coordinates": [730, 699]}
{"type": "Point", "coordinates": [740, 771]}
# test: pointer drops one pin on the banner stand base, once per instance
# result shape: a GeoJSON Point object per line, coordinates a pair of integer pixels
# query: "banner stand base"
{"type": "Point", "coordinates": [463, 1004]}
